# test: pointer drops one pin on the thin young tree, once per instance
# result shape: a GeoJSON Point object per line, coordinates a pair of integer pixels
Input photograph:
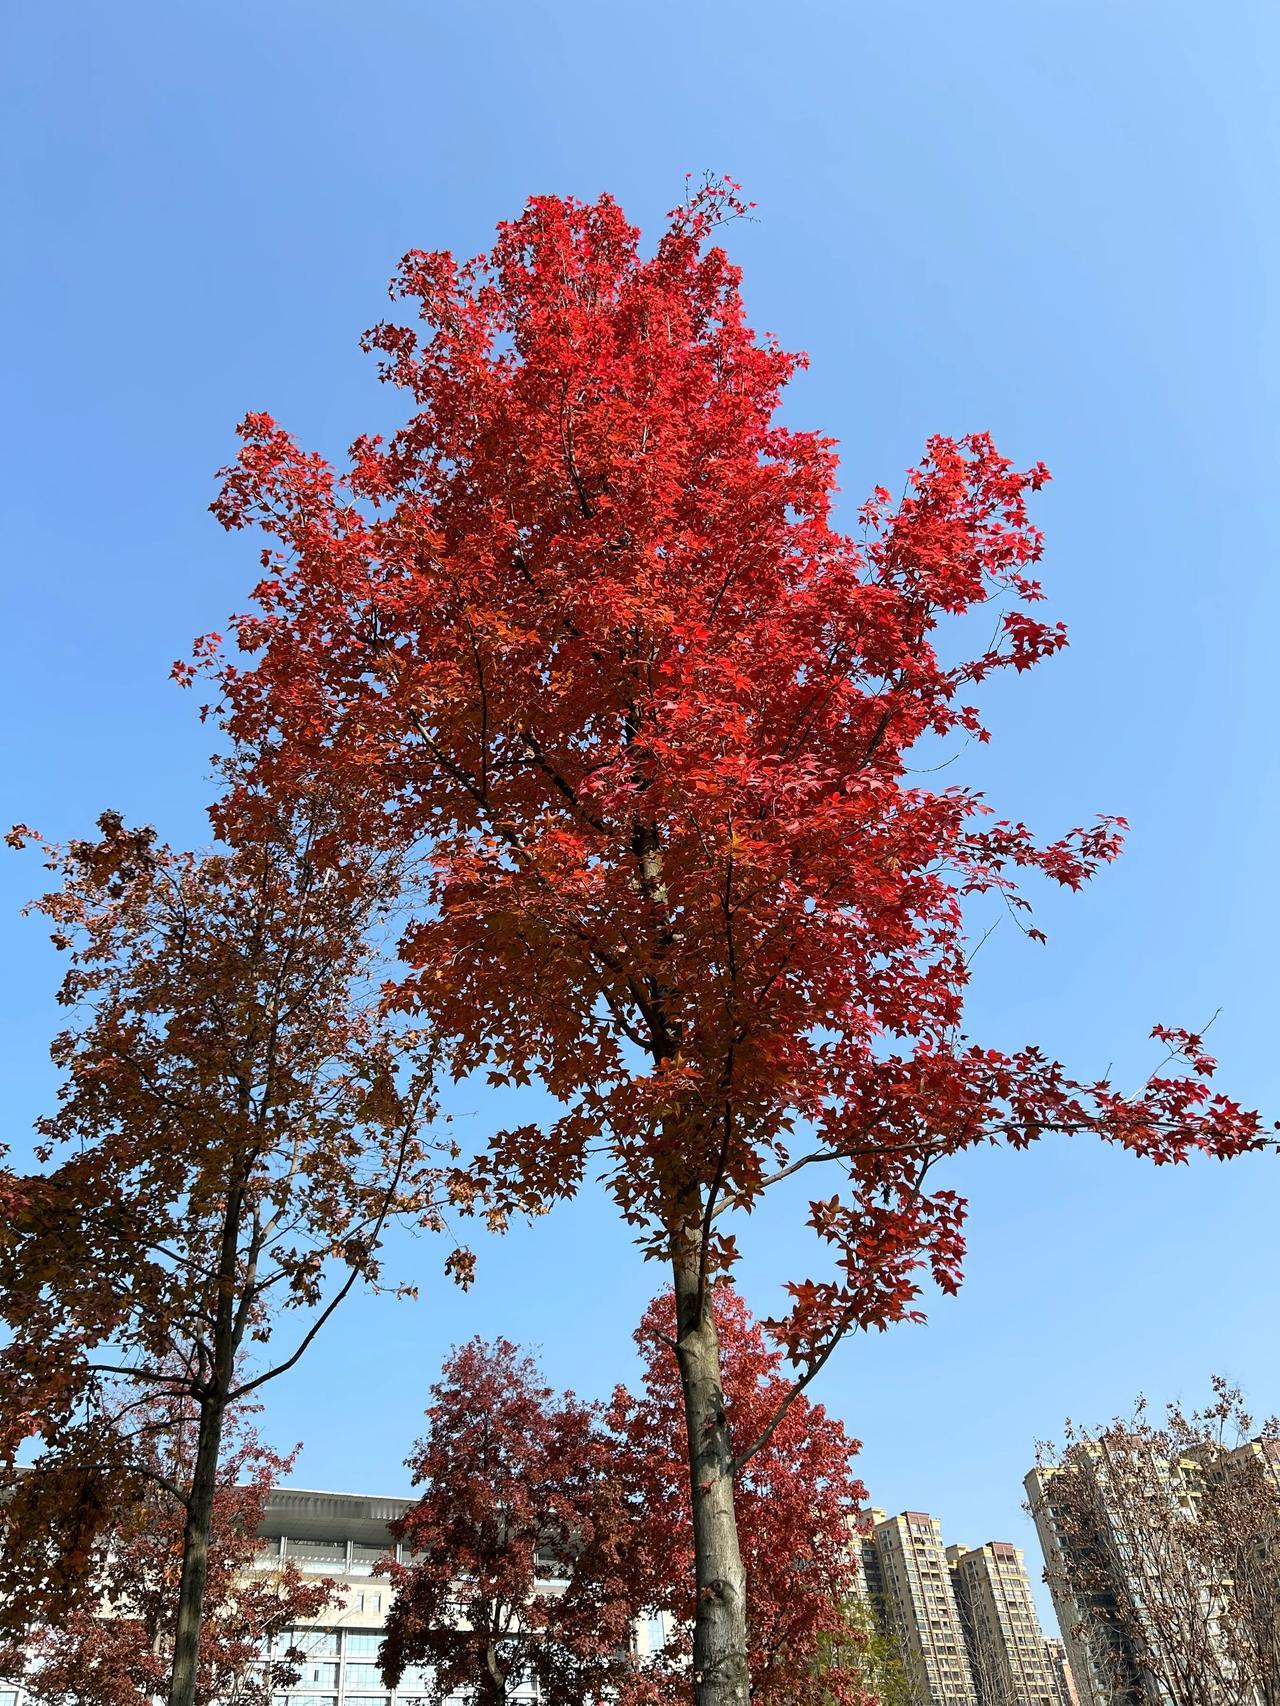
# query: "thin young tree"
{"type": "Point", "coordinates": [585, 629]}
{"type": "Point", "coordinates": [993, 1682]}
{"type": "Point", "coordinates": [1237, 1463]}
{"type": "Point", "coordinates": [112, 1645]}
{"type": "Point", "coordinates": [237, 1122]}
{"type": "Point", "coordinates": [1121, 1512]}
{"type": "Point", "coordinates": [864, 1653]}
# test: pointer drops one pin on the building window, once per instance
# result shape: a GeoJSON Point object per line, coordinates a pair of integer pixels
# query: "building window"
{"type": "Point", "coordinates": [363, 1558]}
{"type": "Point", "coordinates": [321, 1555]}
{"type": "Point", "coordinates": [548, 1566]}
{"type": "Point", "coordinates": [363, 1643]}
{"type": "Point", "coordinates": [310, 1643]}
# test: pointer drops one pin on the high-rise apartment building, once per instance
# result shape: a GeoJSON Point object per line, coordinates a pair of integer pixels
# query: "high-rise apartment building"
{"type": "Point", "coordinates": [998, 1616]}
{"type": "Point", "coordinates": [1055, 1655]}
{"type": "Point", "coordinates": [870, 1575]}
{"type": "Point", "coordinates": [920, 1597]}
{"type": "Point", "coordinates": [1138, 1597]}
{"type": "Point", "coordinates": [1106, 1668]}
{"type": "Point", "coordinates": [965, 1620]}
{"type": "Point", "coordinates": [1256, 1457]}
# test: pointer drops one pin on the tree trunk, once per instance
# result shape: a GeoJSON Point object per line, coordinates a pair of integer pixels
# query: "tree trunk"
{"type": "Point", "coordinates": [228, 1330]}
{"type": "Point", "coordinates": [493, 1682]}
{"type": "Point", "coordinates": [195, 1558]}
{"type": "Point", "coordinates": [720, 1627]}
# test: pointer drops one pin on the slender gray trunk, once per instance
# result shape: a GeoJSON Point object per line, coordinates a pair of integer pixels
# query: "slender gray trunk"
{"type": "Point", "coordinates": [720, 1673]}
{"type": "Point", "coordinates": [720, 1626]}
{"type": "Point", "coordinates": [195, 1558]}
{"type": "Point", "coordinates": [493, 1682]}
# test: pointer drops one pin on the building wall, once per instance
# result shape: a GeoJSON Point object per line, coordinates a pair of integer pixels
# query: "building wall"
{"type": "Point", "coordinates": [1108, 1669]}
{"type": "Point", "coordinates": [919, 1592]}
{"type": "Point", "coordinates": [998, 1617]}
{"type": "Point", "coordinates": [1060, 1670]}
{"type": "Point", "coordinates": [1079, 1629]}
{"type": "Point", "coordinates": [342, 1536]}
{"type": "Point", "coordinates": [870, 1576]}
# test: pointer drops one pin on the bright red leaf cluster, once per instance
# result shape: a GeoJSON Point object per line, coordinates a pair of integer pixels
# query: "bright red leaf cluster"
{"type": "Point", "coordinates": [586, 631]}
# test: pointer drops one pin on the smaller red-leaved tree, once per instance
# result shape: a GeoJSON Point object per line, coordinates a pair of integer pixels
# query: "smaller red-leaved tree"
{"type": "Point", "coordinates": [517, 1567]}
{"type": "Point", "coordinates": [798, 1501]}
{"type": "Point", "coordinates": [546, 1528]}
{"type": "Point", "coordinates": [112, 1645]}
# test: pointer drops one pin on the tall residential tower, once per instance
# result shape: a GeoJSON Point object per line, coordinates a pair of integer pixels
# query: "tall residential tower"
{"type": "Point", "coordinates": [998, 1616]}
{"type": "Point", "coordinates": [920, 1597]}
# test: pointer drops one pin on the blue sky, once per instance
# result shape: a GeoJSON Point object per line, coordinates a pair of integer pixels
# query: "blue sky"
{"type": "Point", "coordinates": [1053, 221]}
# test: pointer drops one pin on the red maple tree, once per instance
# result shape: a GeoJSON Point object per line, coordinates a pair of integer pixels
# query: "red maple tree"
{"type": "Point", "coordinates": [519, 1541]}
{"type": "Point", "coordinates": [237, 1121]}
{"type": "Point", "coordinates": [112, 1643]}
{"type": "Point", "coordinates": [585, 630]}
{"type": "Point", "coordinates": [798, 1502]}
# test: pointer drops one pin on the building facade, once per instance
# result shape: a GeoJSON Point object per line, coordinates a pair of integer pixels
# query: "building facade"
{"type": "Point", "coordinates": [1055, 1655]}
{"type": "Point", "coordinates": [870, 1577]}
{"type": "Point", "coordinates": [342, 1536]}
{"type": "Point", "coordinates": [1133, 1583]}
{"type": "Point", "coordinates": [1105, 1666]}
{"type": "Point", "coordinates": [920, 1598]}
{"type": "Point", "coordinates": [1002, 1631]}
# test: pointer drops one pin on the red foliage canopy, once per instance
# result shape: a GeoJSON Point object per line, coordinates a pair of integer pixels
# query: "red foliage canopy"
{"type": "Point", "coordinates": [551, 1533]}
{"type": "Point", "coordinates": [518, 1541]}
{"type": "Point", "coordinates": [586, 630]}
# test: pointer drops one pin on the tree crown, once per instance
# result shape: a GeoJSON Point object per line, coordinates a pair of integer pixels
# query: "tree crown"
{"type": "Point", "coordinates": [585, 628]}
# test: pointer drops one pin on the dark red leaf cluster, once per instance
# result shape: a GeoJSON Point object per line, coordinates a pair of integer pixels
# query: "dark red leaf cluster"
{"type": "Point", "coordinates": [95, 1616]}
{"type": "Point", "coordinates": [547, 1527]}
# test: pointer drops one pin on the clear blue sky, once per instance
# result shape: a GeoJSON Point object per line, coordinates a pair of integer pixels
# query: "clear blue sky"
{"type": "Point", "coordinates": [1055, 221]}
